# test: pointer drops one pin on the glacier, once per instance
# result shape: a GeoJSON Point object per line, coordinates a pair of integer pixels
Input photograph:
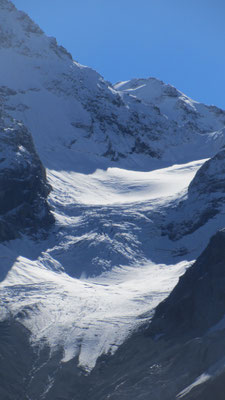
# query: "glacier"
{"type": "Point", "coordinates": [128, 165]}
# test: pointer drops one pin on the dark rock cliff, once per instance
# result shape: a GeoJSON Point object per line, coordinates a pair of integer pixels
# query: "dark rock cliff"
{"type": "Point", "coordinates": [205, 199]}
{"type": "Point", "coordinates": [23, 185]}
{"type": "Point", "coordinates": [198, 300]}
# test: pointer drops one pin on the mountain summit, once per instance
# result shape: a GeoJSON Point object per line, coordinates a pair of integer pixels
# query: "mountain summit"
{"type": "Point", "coordinates": [70, 109]}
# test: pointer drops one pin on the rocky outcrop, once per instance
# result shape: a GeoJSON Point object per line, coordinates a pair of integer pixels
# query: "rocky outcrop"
{"type": "Point", "coordinates": [204, 200]}
{"type": "Point", "coordinates": [180, 355]}
{"type": "Point", "coordinates": [14, 367]}
{"type": "Point", "coordinates": [23, 185]}
{"type": "Point", "coordinates": [210, 178]}
{"type": "Point", "coordinates": [198, 301]}
{"type": "Point", "coordinates": [24, 368]}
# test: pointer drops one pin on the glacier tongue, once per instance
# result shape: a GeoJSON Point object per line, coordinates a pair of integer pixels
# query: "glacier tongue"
{"type": "Point", "coordinates": [84, 317]}
{"type": "Point", "coordinates": [91, 316]}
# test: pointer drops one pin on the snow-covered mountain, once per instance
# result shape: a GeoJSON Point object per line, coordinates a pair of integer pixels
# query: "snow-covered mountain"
{"type": "Point", "coordinates": [107, 197]}
{"type": "Point", "coordinates": [176, 106]}
{"type": "Point", "coordinates": [72, 111]}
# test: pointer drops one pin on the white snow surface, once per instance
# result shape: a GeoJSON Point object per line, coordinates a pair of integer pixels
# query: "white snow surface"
{"type": "Point", "coordinates": [88, 317]}
{"type": "Point", "coordinates": [116, 185]}
{"type": "Point", "coordinates": [74, 114]}
{"type": "Point", "coordinates": [199, 381]}
{"type": "Point", "coordinates": [116, 158]}
{"type": "Point", "coordinates": [171, 102]}
{"type": "Point", "coordinates": [210, 374]}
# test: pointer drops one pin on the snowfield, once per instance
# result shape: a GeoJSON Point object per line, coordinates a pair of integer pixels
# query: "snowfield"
{"type": "Point", "coordinates": [91, 316]}
{"type": "Point", "coordinates": [119, 186]}
{"type": "Point", "coordinates": [87, 317]}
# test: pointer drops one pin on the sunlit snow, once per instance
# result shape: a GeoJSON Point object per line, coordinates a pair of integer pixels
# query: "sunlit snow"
{"type": "Point", "coordinates": [116, 185]}
{"type": "Point", "coordinates": [105, 265]}
{"type": "Point", "coordinates": [91, 316]}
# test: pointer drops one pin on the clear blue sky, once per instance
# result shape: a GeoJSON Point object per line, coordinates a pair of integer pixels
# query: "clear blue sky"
{"type": "Point", "coordinates": [181, 42]}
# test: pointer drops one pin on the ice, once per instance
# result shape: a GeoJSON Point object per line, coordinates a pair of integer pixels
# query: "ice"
{"type": "Point", "coordinates": [86, 317]}
{"type": "Point", "coordinates": [116, 185]}
{"type": "Point", "coordinates": [91, 316]}
{"type": "Point", "coordinates": [117, 158]}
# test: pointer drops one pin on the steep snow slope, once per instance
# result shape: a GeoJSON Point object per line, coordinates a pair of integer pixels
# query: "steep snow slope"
{"type": "Point", "coordinates": [77, 118]}
{"type": "Point", "coordinates": [88, 317]}
{"type": "Point", "coordinates": [84, 318]}
{"type": "Point", "coordinates": [174, 104]}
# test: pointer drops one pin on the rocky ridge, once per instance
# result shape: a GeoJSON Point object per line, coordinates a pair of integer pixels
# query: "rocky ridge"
{"type": "Point", "coordinates": [24, 187]}
{"type": "Point", "coordinates": [141, 124]}
{"type": "Point", "coordinates": [204, 199]}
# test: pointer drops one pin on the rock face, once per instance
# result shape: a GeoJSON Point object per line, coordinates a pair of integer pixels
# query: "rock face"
{"type": "Point", "coordinates": [204, 199]}
{"type": "Point", "coordinates": [20, 363]}
{"type": "Point", "coordinates": [23, 185]}
{"type": "Point", "coordinates": [180, 355]}
{"type": "Point", "coordinates": [14, 367]}
{"type": "Point", "coordinates": [197, 302]}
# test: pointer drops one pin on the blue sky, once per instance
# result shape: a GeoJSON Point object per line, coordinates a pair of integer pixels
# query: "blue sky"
{"type": "Point", "coordinates": [181, 42]}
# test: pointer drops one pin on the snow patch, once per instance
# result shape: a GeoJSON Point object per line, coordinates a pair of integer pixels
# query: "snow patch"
{"type": "Point", "coordinates": [199, 381]}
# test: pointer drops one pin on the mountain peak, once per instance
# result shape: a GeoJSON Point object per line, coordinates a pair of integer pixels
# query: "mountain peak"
{"type": "Point", "coordinates": [71, 108]}
{"type": "Point", "coordinates": [19, 32]}
{"type": "Point", "coordinates": [7, 5]}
